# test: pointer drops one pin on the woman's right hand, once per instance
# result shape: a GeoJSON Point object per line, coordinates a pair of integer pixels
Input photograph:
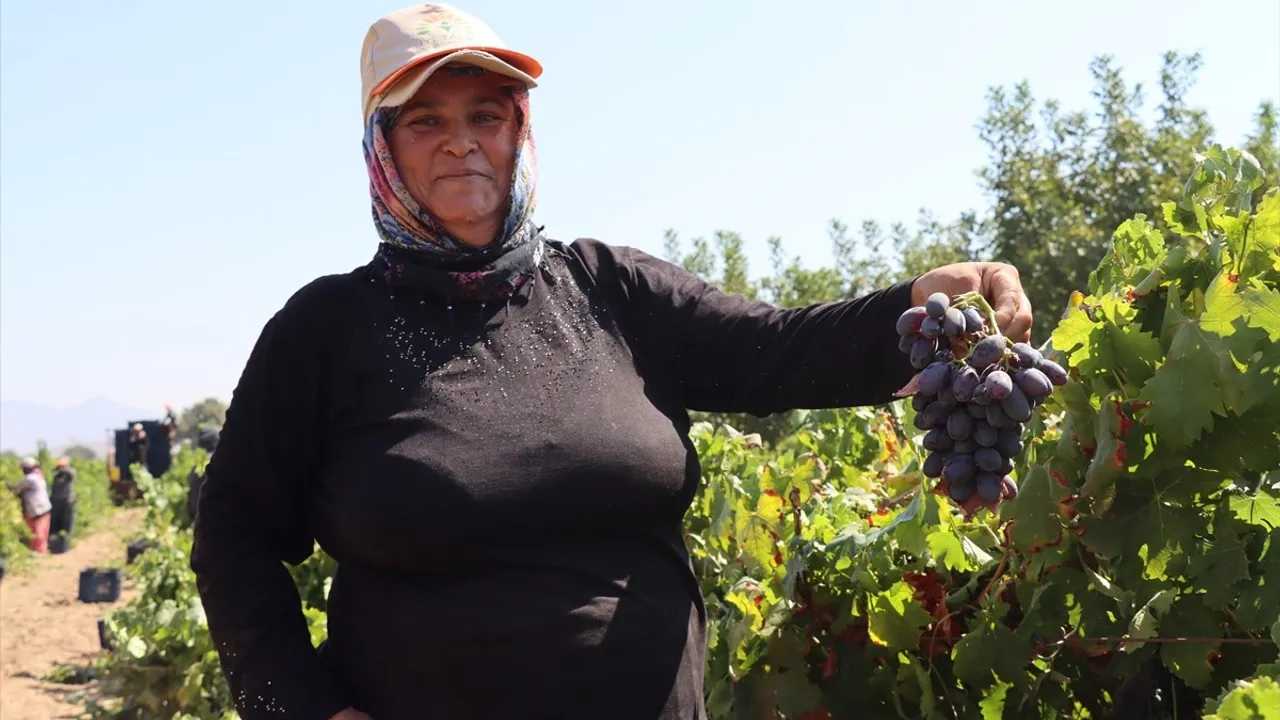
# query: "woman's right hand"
{"type": "Point", "coordinates": [351, 714]}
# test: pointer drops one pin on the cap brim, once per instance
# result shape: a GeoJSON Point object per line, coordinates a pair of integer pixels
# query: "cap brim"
{"type": "Point", "coordinates": [402, 85]}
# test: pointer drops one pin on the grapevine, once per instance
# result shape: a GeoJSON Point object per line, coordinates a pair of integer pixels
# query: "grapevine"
{"type": "Point", "coordinates": [92, 506]}
{"type": "Point", "coordinates": [1127, 567]}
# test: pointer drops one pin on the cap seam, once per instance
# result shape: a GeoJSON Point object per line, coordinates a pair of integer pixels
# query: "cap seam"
{"type": "Point", "coordinates": [373, 64]}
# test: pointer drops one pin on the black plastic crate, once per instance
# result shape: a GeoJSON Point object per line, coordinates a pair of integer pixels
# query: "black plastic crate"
{"type": "Point", "coordinates": [59, 544]}
{"type": "Point", "coordinates": [99, 585]}
{"type": "Point", "coordinates": [136, 548]}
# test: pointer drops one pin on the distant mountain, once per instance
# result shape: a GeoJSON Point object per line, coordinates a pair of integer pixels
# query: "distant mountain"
{"type": "Point", "coordinates": [23, 424]}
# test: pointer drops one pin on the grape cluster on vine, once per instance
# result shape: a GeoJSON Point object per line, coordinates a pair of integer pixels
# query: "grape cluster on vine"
{"type": "Point", "coordinates": [974, 391]}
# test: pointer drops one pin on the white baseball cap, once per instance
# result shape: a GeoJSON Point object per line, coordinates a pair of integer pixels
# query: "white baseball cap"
{"type": "Point", "coordinates": [402, 49]}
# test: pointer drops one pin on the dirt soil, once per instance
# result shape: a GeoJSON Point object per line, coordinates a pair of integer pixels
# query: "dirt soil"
{"type": "Point", "coordinates": [43, 623]}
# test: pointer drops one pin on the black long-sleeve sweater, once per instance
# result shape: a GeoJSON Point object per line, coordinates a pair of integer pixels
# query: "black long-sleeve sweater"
{"type": "Point", "coordinates": [502, 485]}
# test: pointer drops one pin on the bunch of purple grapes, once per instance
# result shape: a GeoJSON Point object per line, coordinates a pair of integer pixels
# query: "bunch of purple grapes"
{"type": "Point", "coordinates": [974, 391]}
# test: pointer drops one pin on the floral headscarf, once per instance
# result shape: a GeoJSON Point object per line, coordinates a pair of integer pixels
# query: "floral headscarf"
{"type": "Point", "coordinates": [417, 250]}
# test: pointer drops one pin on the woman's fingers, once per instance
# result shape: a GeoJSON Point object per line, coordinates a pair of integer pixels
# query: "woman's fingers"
{"type": "Point", "coordinates": [1003, 289]}
{"type": "Point", "coordinates": [999, 283]}
{"type": "Point", "coordinates": [1020, 326]}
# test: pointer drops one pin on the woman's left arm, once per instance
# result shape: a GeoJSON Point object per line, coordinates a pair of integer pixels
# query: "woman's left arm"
{"type": "Point", "coordinates": [732, 354]}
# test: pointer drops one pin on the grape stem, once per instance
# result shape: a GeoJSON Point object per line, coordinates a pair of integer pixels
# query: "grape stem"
{"type": "Point", "coordinates": [976, 300]}
{"type": "Point", "coordinates": [995, 577]}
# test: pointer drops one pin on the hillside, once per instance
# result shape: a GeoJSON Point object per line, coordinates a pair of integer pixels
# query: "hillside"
{"type": "Point", "coordinates": [24, 423]}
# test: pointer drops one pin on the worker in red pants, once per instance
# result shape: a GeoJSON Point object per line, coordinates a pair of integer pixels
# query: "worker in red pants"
{"type": "Point", "coordinates": [36, 507]}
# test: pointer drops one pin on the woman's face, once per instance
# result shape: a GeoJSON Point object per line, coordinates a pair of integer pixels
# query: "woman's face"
{"type": "Point", "coordinates": [454, 145]}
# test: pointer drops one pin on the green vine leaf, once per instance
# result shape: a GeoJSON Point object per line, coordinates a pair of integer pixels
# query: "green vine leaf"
{"type": "Point", "coordinates": [990, 652]}
{"type": "Point", "coordinates": [1259, 602]}
{"type": "Point", "coordinates": [1254, 699]}
{"type": "Point", "coordinates": [1186, 391]}
{"type": "Point", "coordinates": [1224, 561]}
{"type": "Point", "coordinates": [895, 618]}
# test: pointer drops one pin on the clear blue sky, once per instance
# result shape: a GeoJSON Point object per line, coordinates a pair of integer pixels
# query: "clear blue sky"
{"type": "Point", "coordinates": [171, 172]}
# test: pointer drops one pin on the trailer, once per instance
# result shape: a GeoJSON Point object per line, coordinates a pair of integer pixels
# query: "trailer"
{"type": "Point", "coordinates": [121, 457]}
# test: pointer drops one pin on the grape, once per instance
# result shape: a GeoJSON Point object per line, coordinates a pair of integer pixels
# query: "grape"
{"type": "Point", "coordinates": [946, 398]}
{"type": "Point", "coordinates": [937, 440]}
{"type": "Point", "coordinates": [997, 418]}
{"type": "Point", "coordinates": [984, 434]}
{"type": "Point", "coordinates": [959, 424]}
{"type": "Point", "coordinates": [1009, 443]}
{"type": "Point", "coordinates": [922, 353]}
{"type": "Point", "coordinates": [988, 350]}
{"type": "Point", "coordinates": [963, 383]}
{"type": "Point", "coordinates": [961, 491]}
{"type": "Point", "coordinates": [1052, 370]}
{"type": "Point", "coordinates": [981, 394]}
{"type": "Point", "coordinates": [931, 328]}
{"type": "Point", "coordinates": [936, 305]}
{"type": "Point", "coordinates": [1010, 488]}
{"type": "Point", "coordinates": [934, 378]}
{"type": "Point", "coordinates": [953, 322]}
{"type": "Point", "coordinates": [1028, 357]}
{"type": "Point", "coordinates": [958, 469]}
{"type": "Point", "coordinates": [988, 459]}
{"type": "Point", "coordinates": [931, 417]}
{"type": "Point", "coordinates": [1017, 406]}
{"type": "Point", "coordinates": [988, 485]}
{"type": "Point", "coordinates": [909, 321]}
{"type": "Point", "coordinates": [1006, 466]}
{"type": "Point", "coordinates": [999, 384]}
{"type": "Point", "coordinates": [1033, 382]}
{"type": "Point", "coordinates": [972, 411]}
{"type": "Point", "coordinates": [933, 464]}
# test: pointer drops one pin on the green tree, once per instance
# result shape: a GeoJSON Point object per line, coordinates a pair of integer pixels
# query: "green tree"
{"type": "Point", "coordinates": [1058, 182]}
{"type": "Point", "coordinates": [725, 264]}
{"type": "Point", "coordinates": [1264, 144]}
{"type": "Point", "coordinates": [209, 412]}
{"type": "Point", "coordinates": [1061, 182]}
{"type": "Point", "coordinates": [44, 457]}
{"type": "Point", "coordinates": [80, 451]}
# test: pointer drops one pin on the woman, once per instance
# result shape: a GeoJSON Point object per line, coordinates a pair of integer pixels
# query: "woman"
{"type": "Point", "coordinates": [63, 498]}
{"type": "Point", "coordinates": [138, 445]}
{"type": "Point", "coordinates": [487, 428]}
{"type": "Point", "coordinates": [169, 424]}
{"type": "Point", "coordinates": [36, 507]}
